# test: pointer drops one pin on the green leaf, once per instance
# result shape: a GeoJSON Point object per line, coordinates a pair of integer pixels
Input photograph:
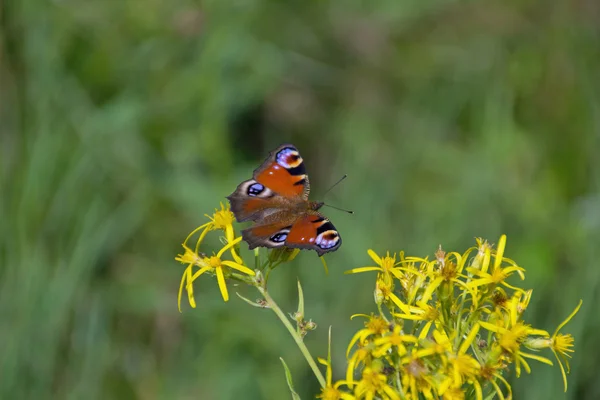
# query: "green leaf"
{"type": "Point", "coordinates": [288, 378]}
{"type": "Point", "coordinates": [300, 300]}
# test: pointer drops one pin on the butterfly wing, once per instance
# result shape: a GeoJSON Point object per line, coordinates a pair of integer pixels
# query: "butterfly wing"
{"type": "Point", "coordinates": [272, 233]}
{"type": "Point", "coordinates": [280, 182]}
{"type": "Point", "coordinates": [314, 231]}
{"type": "Point", "coordinates": [284, 173]}
{"type": "Point", "coordinates": [309, 231]}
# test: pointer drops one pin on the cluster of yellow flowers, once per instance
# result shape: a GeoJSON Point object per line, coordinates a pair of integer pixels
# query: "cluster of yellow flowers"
{"type": "Point", "coordinates": [446, 328]}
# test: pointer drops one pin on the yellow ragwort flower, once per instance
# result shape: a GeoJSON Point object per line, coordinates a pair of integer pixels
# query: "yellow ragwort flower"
{"type": "Point", "coordinates": [511, 338]}
{"type": "Point", "coordinates": [416, 376]}
{"type": "Point", "coordinates": [213, 264]}
{"type": "Point", "coordinates": [498, 275]}
{"type": "Point", "coordinates": [462, 367]}
{"type": "Point", "coordinates": [386, 265]}
{"type": "Point", "coordinates": [331, 391]}
{"type": "Point", "coordinates": [373, 383]}
{"type": "Point", "coordinates": [222, 219]}
{"type": "Point", "coordinates": [560, 344]}
{"type": "Point", "coordinates": [374, 326]}
{"type": "Point", "coordinates": [423, 312]}
{"type": "Point", "coordinates": [384, 291]}
{"type": "Point", "coordinates": [394, 339]}
{"type": "Point", "coordinates": [563, 344]}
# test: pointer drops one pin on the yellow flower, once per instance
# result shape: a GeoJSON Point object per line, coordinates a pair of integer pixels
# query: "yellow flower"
{"type": "Point", "coordinates": [497, 275]}
{"type": "Point", "coordinates": [374, 383]}
{"type": "Point", "coordinates": [510, 339]}
{"type": "Point", "coordinates": [447, 267]}
{"type": "Point", "coordinates": [191, 258]}
{"type": "Point", "coordinates": [222, 219]}
{"type": "Point", "coordinates": [384, 291]}
{"type": "Point", "coordinates": [214, 264]}
{"type": "Point", "coordinates": [416, 376]}
{"type": "Point", "coordinates": [331, 391]}
{"type": "Point", "coordinates": [374, 326]}
{"type": "Point", "coordinates": [482, 259]}
{"type": "Point", "coordinates": [394, 339]}
{"type": "Point", "coordinates": [563, 344]}
{"type": "Point", "coordinates": [423, 312]}
{"type": "Point", "coordinates": [386, 265]}
{"type": "Point", "coordinates": [560, 344]}
{"type": "Point", "coordinates": [462, 366]}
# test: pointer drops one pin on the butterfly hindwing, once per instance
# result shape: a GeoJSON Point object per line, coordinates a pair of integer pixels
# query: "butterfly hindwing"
{"type": "Point", "coordinates": [310, 231]}
{"type": "Point", "coordinates": [269, 234]}
{"type": "Point", "coordinates": [314, 231]}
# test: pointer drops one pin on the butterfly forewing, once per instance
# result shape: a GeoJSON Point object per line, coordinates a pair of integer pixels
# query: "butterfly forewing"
{"type": "Point", "coordinates": [284, 173]}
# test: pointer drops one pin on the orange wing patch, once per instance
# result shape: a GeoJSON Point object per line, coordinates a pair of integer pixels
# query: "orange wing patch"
{"type": "Point", "coordinates": [281, 181]}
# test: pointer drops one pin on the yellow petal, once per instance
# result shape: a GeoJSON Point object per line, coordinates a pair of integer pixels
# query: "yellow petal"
{"type": "Point", "coordinates": [194, 231]}
{"type": "Point", "coordinates": [183, 279]}
{"type": "Point", "coordinates": [431, 288]}
{"type": "Point", "coordinates": [197, 274]}
{"type": "Point", "coordinates": [222, 284]}
{"type": "Point", "coordinates": [238, 267]}
{"type": "Point", "coordinates": [562, 370]}
{"type": "Point", "coordinates": [202, 236]}
{"type": "Point", "coordinates": [500, 252]}
{"type": "Point", "coordinates": [536, 357]}
{"type": "Point", "coordinates": [399, 303]}
{"type": "Point", "coordinates": [568, 318]}
{"type": "Point", "coordinates": [362, 269]}
{"type": "Point", "coordinates": [228, 246]}
{"type": "Point", "coordinates": [374, 256]}
{"type": "Point", "coordinates": [465, 345]}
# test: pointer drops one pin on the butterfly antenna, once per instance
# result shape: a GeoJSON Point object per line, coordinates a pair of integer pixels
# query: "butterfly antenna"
{"type": "Point", "coordinates": [334, 185]}
{"type": "Point", "coordinates": [339, 209]}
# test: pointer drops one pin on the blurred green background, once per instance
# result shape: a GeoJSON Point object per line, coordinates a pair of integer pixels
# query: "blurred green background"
{"type": "Point", "coordinates": [122, 122]}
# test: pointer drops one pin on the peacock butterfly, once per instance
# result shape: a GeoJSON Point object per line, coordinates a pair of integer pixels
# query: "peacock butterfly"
{"type": "Point", "coordinates": [277, 200]}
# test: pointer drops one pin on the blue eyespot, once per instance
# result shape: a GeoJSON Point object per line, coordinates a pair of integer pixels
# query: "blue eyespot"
{"type": "Point", "coordinates": [255, 189]}
{"type": "Point", "coordinates": [279, 237]}
{"type": "Point", "coordinates": [328, 240]}
{"type": "Point", "coordinates": [288, 158]}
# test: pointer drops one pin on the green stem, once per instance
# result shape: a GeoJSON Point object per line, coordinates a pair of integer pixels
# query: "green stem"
{"type": "Point", "coordinates": [294, 334]}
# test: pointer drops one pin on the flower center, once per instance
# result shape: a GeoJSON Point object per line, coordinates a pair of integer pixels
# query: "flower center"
{"type": "Point", "coordinates": [387, 263]}
{"type": "Point", "coordinates": [214, 262]}
{"type": "Point", "coordinates": [377, 325]}
{"type": "Point", "coordinates": [223, 218]}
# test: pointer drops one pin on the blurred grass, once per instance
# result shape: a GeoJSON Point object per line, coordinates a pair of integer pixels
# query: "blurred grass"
{"type": "Point", "coordinates": [122, 123]}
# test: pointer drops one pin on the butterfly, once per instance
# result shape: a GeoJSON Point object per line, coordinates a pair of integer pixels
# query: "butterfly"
{"type": "Point", "coordinates": [276, 199]}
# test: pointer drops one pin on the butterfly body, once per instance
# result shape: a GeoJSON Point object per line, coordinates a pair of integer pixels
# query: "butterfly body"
{"type": "Point", "coordinates": [276, 199]}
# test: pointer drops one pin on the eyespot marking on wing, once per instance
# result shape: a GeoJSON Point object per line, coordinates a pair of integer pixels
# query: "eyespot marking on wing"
{"type": "Point", "coordinates": [290, 159]}
{"type": "Point", "coordinates": [327, 239]}
{"type": "Point", "coordinates": [280, 236]}
{"type": "Point", "coordinates": [255, 189]}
